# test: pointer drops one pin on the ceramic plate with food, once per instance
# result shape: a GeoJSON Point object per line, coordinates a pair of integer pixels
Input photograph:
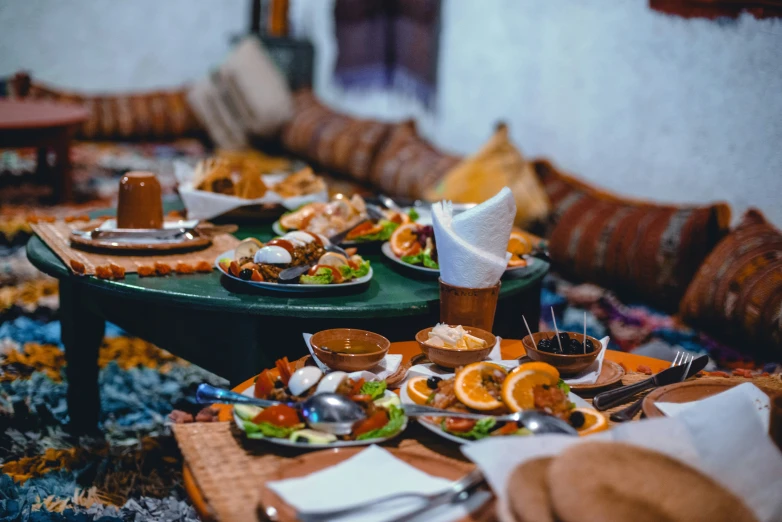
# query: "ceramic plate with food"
{"type": "Point", "coordinates": [260, 265]}
{"type": "Point", "coordinates": [284, 425]}
{"type": "Point", "coordinates": [487, 387]}
{"type": "Point", "coordinates": [341, 214]}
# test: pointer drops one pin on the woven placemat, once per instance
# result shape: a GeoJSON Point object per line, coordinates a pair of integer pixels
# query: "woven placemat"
{"type": "Point", "coordinates": [56, 235]}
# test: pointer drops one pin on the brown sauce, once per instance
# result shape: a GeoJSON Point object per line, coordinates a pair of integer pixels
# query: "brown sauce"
{"type": "Point", "coordinates": [350, 346]}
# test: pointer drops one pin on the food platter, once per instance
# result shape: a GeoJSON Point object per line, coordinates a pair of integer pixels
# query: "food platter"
{"type": "Point", "coordinates": [434, 272]}
{"type": "Point", "coordinates": [291, 288]}
{"type": "Point", "coordinates": [314, 445]}
{"type": "Point", "coordinates": [150, 240]}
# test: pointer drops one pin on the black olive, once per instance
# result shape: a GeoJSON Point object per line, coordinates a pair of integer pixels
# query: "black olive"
{"type": "Point", "coordinates": [278, 384]}
{"type": "Point", "coordinates": [565, 338]}
{"type": "Point", "coordinates": [246, 274]}
{"type": "Point", "coordinates": [590, 346]}
{"type": "Point", "coordinates": [544, 345]}
{"type": "Point", "coordinates": [431, 382]}
{"type": "Point", "coordinates": [577, 419]}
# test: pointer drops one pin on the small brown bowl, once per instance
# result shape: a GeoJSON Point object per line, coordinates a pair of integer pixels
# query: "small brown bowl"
{"type": "Point", "coordinates": [349, 362]}
{"type": "Point", "coordinates": [452, 358]}
{"type": "Point", "coordinates": [566, 364]}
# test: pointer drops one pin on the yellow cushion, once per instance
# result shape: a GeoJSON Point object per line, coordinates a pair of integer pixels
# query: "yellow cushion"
{"type": "Point", "coordinates": [498, 164]}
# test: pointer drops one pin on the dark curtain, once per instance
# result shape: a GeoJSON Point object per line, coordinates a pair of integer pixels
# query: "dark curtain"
{"type": "Point", "coordinates": [388, 44]}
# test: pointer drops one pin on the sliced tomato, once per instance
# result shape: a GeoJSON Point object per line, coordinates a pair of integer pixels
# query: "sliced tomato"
{"type": "Point", "coordinates": [225, 265]}
{"type": "Point", "coordinates": [375, 422]}
{"type": "Point", "coordinates": [357, 387]}
{"type": "Point", "coordinates": [234, 269]}
{"type": "Point", "coordinates": [459, 425]}
{"type": "Point", "coordinates": [335, 273]}
{"type": "Point", "coordinates": [351, 251]}
{"type": "Point", "coordinates": [284, 367]}
{"type": "Point", "coordinates": [279, 415]}
{"type": "Point", "coordinates": [361, 398]}
{"type": "Point", "coordinates": [508, 429]}
{"type": "Point", "coordinates": [256, 276]}
{"type": "Point", "coordinates": [264, 384]}
{"type": "Point", "coordinates": [364, 229]}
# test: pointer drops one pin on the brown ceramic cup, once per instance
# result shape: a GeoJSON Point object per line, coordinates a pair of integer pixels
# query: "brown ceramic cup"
{"type": "Point", "coordinates": [468, 306]}
{"type": "Point", "coordinates": [140, 202]}
{"type": "Point", "coordinates": [775, 428]}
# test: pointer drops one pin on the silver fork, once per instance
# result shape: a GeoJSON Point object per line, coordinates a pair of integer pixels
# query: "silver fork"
{"type": "Point", "coordinates": [630, 412]}
{"type": "Point", "coordinates": [432, 500]}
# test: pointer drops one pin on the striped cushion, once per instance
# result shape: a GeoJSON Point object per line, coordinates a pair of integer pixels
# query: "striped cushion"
{"type": "Point", "coordinates": [151, 115]}
{"type": "Point", "coordinates": [737, 292]}
{"type": "Point", "coordinates": [638, 249]}
{"type": "Point", "coordinates": [408, 165]}
{"type": "Point", "coordinates": [332, 140]}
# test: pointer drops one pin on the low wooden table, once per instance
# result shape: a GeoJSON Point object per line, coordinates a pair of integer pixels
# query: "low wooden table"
{"type": "Point", "coordinates": [511, 349]}
{"type": "Point", "coordinates": [235, 331]}
{"type": "Point", "coordinates": [48, 127]}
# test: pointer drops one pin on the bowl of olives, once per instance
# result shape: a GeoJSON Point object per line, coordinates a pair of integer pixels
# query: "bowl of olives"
{"type": "Point", "coordinates": [568, 353]}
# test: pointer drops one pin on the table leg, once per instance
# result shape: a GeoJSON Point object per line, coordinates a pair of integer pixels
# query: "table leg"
{"type": "Point", "coordinates": [82, 334]}
{"type": "Point", "coordinates": [61, 172]}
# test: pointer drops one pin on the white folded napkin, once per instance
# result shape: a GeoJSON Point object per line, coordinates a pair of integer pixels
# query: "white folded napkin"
{"type": "Point", "coordinates": [592, 372]}
{"type": "Point", "coordinates": [759, 399]}
{"type": "Point", "coordinates": [368, 475]}
{"type": "Point", "coordinates": [472, 246]}
{"type": "Point", "coordinates": [380, 372]}
{"type": "Point", "coordinates": [201, 204]}
{"type": "Point", "coordinates": [721, 436]}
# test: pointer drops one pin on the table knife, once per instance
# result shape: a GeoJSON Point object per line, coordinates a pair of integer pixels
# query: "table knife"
{"type": "Point", "coordinates": [608, 399]}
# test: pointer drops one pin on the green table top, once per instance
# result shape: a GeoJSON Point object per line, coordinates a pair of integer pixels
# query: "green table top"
{"type": "Point", "coordinates": [392, 291]}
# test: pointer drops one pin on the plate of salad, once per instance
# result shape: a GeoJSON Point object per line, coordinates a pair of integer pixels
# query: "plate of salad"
{"type": "Point", "coordinates": [490, 388]}
{"type": "Point", "coordinates": [282, 424]}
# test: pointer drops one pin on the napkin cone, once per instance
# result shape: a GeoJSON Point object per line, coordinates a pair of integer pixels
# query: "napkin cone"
{"type": "Point", "coordinates": [472, 248]}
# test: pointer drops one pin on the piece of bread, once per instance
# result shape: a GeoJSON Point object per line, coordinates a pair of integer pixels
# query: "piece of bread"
{"type": "Point", "coordinates": [528, 493]}
{"type": "Point", "coordinates": [614, 482]}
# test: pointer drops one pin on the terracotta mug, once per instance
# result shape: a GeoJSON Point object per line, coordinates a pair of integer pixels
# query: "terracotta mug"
{"type": "Point", "coordinates": [468, 306]}
{"type": "Point", "coordinates": [775, 427]}
{"type": "Point", "coordinates": [140, 203]}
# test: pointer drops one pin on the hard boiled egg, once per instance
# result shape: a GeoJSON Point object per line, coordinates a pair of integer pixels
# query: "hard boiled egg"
{"type": "Point", "coordinates": [330, 382]}
{"type": "Point", "coordinates": [303, 379]}
{"type": "Point", "coordinates": [273, 255]}
{"type": "Point", "coordinates": [302, 237]}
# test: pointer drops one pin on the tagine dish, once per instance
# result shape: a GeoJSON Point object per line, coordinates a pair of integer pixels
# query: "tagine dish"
{"type": "Point", "coordinates": [489, 388]}
{"type": "Point", "coordinates": [283, 424]}
{"type": "Point", "coordinates": [343, 214]}
{"type": "Point", "coordinates": [414, 245]}
{"type": "Point", "coordinates": [264, 265]}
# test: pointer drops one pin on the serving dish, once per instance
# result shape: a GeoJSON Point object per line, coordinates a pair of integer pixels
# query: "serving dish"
{"type": "Point", "coordinates": [566, 364]}
{"type": "Point", "coordinates": [454, 357]}
{"type": "Point", "coordinates": [688, 391]}
{"type": "Point", "coordinates": [345, 361]}
{"type": "Point", "coordinates": [434, 273]}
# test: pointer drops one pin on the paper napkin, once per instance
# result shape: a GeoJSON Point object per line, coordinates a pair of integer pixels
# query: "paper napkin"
{"type": "Point", "coordinates": [371, 474]}
{"type": "Point", "coordinates": [591, 373]}
{"type": "Point", "coordinates": [472, 247]}
{"type": "Point", "coordinates": [380, 372]}
{"type": "Point", "coordinates": [721, 436]}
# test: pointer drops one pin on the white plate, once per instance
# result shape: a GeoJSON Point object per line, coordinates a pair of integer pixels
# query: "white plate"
{"type": "Point", "coordinates": [434, 428]}
{"type": "Point", "coordinates": [386, 249]}
{"type": "Point", "coordinates": [319, 445]}
{"type": "Point", "coordinates": [292, 287]}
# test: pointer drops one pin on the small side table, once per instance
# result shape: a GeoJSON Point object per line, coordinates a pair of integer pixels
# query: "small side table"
{"type": "Point", "coordinates": [48, 127]}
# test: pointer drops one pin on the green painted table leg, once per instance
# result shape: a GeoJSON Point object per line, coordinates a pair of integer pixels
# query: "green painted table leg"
{"type": "Point", "coordinates": [82, 334]}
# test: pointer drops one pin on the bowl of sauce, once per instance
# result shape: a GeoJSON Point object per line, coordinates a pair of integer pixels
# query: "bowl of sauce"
{"type": "Point", "coordinates": [348, 349]}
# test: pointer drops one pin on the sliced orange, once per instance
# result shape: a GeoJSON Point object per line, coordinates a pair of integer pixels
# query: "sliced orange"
{"type": "Point", "coordinates": [403, 239]}
{"type": "Point", "coordinates": [470, 385]}
{"type": "Point", "coordinates": [594, 421]}
{"type": "Point", "coordinates": [519, 245]}
{"type": "Point", "coordinates": [540, 367]}
{"type": "Point", "coordinates": [418, 390]}
{"type": "Point", "coordinates": [517, 390]}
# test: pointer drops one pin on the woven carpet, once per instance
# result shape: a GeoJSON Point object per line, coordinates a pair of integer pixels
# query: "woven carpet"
{"type": "Point", "coordinates": [134, 471]}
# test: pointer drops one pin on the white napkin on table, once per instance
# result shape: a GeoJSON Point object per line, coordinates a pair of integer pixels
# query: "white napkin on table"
{"type": "Point", "coordinates": [721, 436]}
{"type": "Point", "coordinates": [472, 247]}
{"type": "Point", "coordinates": [369, 475]}
{"type": "Point", "coordinates": [380, 372]}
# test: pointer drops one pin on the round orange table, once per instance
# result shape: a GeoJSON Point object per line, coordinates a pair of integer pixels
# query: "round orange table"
{"type": "Point", "coordinates": [511, 349]}
{"type": "Point", "coordinates": [48, 127]}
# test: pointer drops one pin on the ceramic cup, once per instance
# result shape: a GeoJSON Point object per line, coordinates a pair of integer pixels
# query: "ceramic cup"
{"type": "Point", "coordinates": [468, 306]}
{"type": "Point", "coordinates": [775, 428]}
{"type": "Point", "coordinates": [140, 203]}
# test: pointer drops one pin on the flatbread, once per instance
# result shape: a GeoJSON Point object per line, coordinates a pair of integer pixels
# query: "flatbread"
{"type": "Point", "coordinates": [614, 482]}
{"type": "Point", "coordinates": [528, 494]}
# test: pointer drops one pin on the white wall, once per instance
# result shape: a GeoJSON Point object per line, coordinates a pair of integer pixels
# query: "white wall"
{"type": "Point", "coordinates": [643, 103]}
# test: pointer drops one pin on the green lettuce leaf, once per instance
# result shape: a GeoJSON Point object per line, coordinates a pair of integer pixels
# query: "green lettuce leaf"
{"type": "Point", "coordinates": [562, 385]}
{"type": "Point", "coordinates": [396, 419]}
{"type": "Point", "coordinates": [266, 429]}
{"type": "Point", "coordinates": [322, 277]}
{"type": "Point", "coordinates": [479, 431]}
{"type": "Point", "coordinates": [428, 261]}
{"type": "Point", "coordinates": [413, 214]}
{"type": "Point", "coordinates": [421, 258]}
{"type": "Point", "coordinates": [417, 259]}
{"type": "Point", "coordinates": [350, 273]}
{"type": "Point", "coordinates": [383, 235]}
{"type": "Point", "coordinates": [375, 389]}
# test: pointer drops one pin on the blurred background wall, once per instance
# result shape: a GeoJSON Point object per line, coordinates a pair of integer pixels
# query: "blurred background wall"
{"type": "Point", "coordinates": [642, 103]}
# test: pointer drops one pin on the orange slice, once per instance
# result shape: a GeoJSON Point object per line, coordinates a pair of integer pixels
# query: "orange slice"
{"type": "Point", "coordinates": [470, 385]}
{"type": "Point", "coordinates": [594, 421]}
{"type": "Point", "coordinates": [418, 391]}
{"type": "Point", "coordinates": [403, 239]}
{"type": "Point", "coordinates": [540, 367]}
{"type": "Point", "coordinates": [517, 390]}
{"type": "Point", "coordinates": [518, 245]}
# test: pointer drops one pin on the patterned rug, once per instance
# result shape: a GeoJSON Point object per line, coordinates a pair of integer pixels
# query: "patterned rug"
{"type": "Point", "coordinates": [134, 471]}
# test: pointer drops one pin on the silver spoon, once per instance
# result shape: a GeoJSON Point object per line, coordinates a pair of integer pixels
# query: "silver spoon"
{"type": "Point", "coordinates": [329, 412]}
{"type": "Point", "coordinates": [535, 421]}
